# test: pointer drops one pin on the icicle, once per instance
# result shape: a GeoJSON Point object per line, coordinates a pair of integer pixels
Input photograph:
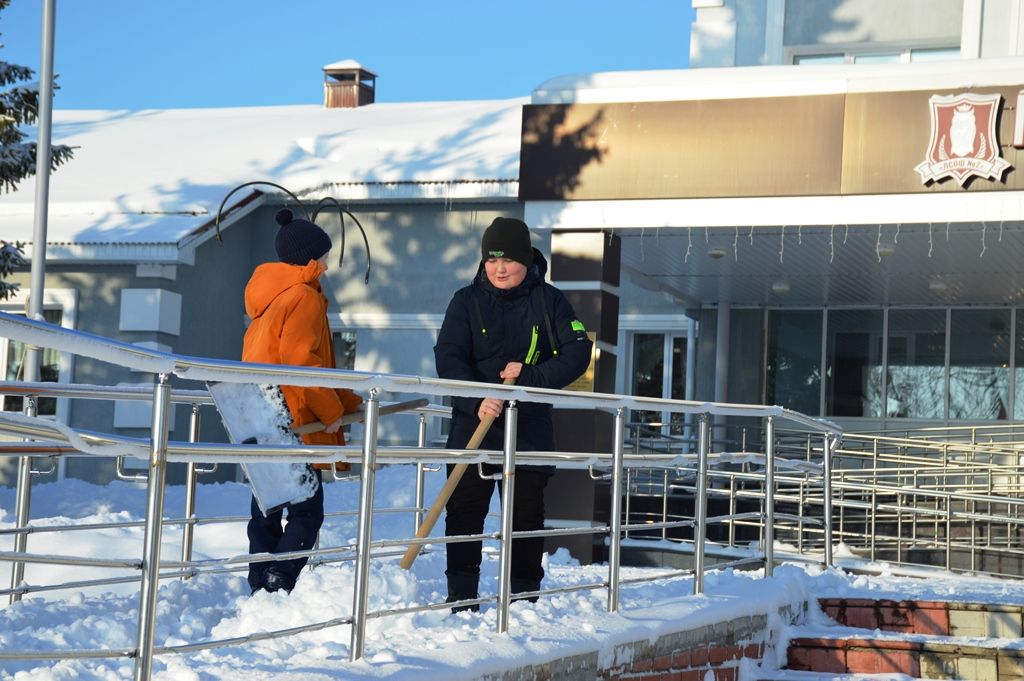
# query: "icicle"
{"type": "Point", "coordinates": [846, 234]}
{"type": "Point", "coordinates": [735, 245]}
{"type": "Point", "coordinates": [782, 243]}
{"type": "Point", "coordinates": [947, 232]}
{"type": "Point", "coordinates": [832, 243]}
{"type": "Point", "coordinates": [984, 228]}
{"type": "Point", "coordinates": [1001, 230]}
{"type": "Point", "coordinates": [707, 235]}
{"type": "Point", "coordinates": [878, 243]}
{"type": "Point", "coordinates": [930, 240]}
{"type": "Point", "coordinates": [689, 243]}
{"type": "Point", "coordinates": [896, 237]}
{"type": "Point", "coordinates": [751, 235]}
{"type": "Point", "coordinates": [800, 235]}
{"type": "Point", "coordinates": [642, 255]}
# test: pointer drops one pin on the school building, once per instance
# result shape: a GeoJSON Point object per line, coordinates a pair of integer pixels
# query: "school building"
{"type": "Point", "coordinates": [824, 212]}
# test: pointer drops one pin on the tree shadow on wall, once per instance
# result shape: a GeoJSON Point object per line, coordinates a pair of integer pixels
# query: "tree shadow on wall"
{"type": "Point", "coordinates": [552, 157]}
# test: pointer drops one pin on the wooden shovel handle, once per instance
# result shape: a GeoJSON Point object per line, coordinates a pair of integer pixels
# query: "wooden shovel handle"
{"type": "Point", "coordinates": [357, 416]}
{"type": "Point", "coordinates": [446, 492]}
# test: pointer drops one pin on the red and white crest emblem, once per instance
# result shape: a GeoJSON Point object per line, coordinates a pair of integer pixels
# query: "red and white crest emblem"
{"type": "Point", "coordinates": [964, 142]}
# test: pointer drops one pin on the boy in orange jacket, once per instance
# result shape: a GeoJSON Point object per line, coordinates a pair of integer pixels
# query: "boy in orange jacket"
{"type": "Point", "coordinates": [289, 326]}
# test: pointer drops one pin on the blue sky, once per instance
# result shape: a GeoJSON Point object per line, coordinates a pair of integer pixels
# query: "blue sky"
{"type": "Point", "coordinates": [132, 54]}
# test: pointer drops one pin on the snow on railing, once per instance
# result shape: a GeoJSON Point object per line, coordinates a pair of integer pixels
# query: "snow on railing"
{"type": "Point", "coordinates": [159, 451]}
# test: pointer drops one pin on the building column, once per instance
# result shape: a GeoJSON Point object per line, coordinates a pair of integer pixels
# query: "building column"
{"type": "Point", "coordinates": [721, 368]}
{"type": "Point", "coordinates": [585, 266]}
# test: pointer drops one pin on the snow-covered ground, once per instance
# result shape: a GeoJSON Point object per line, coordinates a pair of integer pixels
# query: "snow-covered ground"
{"type": "Point", "coordinates": [424, 646]}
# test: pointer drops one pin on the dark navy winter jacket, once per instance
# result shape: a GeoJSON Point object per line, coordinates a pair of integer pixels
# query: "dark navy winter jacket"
{"type": "Point", "coordinates": [485, 328]}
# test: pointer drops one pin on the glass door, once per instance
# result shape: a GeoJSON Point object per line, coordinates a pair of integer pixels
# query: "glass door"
{"type": "Point", "coordinates": [659, 370]}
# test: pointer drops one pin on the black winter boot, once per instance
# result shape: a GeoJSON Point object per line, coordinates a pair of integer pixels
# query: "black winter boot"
{"type": "Point", "coordinates": [463, 586]}
{"type": "Point", "coordinates": [275, 580]}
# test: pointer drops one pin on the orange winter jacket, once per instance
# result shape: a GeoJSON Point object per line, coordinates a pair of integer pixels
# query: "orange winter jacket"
{"type": "Point", "coordinates": [289, 326]}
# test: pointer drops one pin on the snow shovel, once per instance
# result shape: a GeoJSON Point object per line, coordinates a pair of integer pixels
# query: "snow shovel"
{"type": "Point", "coordinates": [446, 492]}
{"type": "Point", "coordinates": [258, 414]}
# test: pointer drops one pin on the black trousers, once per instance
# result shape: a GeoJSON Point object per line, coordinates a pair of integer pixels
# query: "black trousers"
{"type": "Point", "coordinates": [467, 508]}
{"type": "Point", "coordinates": [267, 535]}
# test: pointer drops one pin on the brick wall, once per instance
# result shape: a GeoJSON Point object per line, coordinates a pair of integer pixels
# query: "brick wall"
{"type": "Point", "coordinates": [686, 655]}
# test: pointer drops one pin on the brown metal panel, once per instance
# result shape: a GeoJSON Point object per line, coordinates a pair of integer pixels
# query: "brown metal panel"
{"type": "Point", "coordinates": [887, 134]}
{"type": "Point", "coordinates": [774, 146]}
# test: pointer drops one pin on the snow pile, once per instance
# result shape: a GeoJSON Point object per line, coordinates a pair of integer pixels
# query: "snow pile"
{"type": "Point", "coordinates": [422, 646]}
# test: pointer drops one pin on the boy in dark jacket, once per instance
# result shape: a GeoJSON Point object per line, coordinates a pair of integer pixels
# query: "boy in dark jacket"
{"type": "Point", "coordinates": [508, 323]}
{"type": "Point", "coordinates": [289, 326]}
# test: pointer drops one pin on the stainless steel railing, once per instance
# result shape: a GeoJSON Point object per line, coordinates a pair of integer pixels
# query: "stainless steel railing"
{"type": "Point", "coordinates": [157, 450]}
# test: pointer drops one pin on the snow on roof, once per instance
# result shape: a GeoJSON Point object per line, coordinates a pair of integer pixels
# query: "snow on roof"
{"type": "Point", "coordinates": [153, 176]}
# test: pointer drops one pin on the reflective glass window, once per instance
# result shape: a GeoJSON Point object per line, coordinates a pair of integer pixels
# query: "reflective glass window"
{"type": "Point", "coordinates": [853, 376]}
{"type": "Point", "coordinates": [916, 376]}
{"type": "Point", "coordinates": [979, 361]}
{"type": "Point", "coordinates": [794, 360]}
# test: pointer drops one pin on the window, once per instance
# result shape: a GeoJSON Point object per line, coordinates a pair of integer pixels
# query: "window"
{"type": "Point", "coordinates": [873, 54]}
{"type": "Point", "coordinates": [344, 349]}
{"type": "Point", "coordinates": [938, 54]}
{"type": "Point", "coordinates": [794, 360]}
{"type": "Point", "coordinates": [659, 370]}
{"type": "Point", "coordinates": [12, 359]}
{"type": "Point", "coordinates": [345, 358]}
{"type": "Point", "coordinates": [853, 376]}
{"type": "Point", "coordinates": [819, 59]}
{"type": "Point", "coordinates": [979, 358]}
{"type": "Point", "coordinates": [1018, 402]}
{"type": "Point", "coordinates": [915, 381]}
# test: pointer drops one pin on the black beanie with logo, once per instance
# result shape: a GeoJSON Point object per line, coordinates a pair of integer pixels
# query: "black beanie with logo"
{"type": "Point", "coordinates": [507, 238]}
{"type": "Point", "coordinates": [299, 241]}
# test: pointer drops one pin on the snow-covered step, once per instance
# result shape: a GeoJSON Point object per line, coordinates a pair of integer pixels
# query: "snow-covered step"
{"type": "Point", "coordinates": [858, 651]}
{"type": "Point", "coordinates": [928, 617]}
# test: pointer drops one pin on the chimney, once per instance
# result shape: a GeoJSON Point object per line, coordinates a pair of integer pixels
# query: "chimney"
{"type": "Point", "coordinates": [348, 85]}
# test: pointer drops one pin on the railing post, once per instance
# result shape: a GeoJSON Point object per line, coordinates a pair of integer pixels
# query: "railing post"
{"type": "Point", "coordinates": [629, 493]}
{"type": "Point", "coordinates": [769, 498]}
{"type": "Point", "coordinates": [664, 503]}
{"type": "Point", "coordinates": [154, 527]}
{"type": "Point", "coordinates": [421, 442]}
{"type": "Point", "coordinates": [830, 444]}
{"type": "Point", "coordinates": [508, 492]}
{"type": "Point", "coordinates": [949, 531]}
{"type": "Point", "coordinates": [615, 529]}
{"type": "Point", "coordinates": [189, 528]}
{"type": "Point", "coordinates": [360, 592]}
{"type": "Point", "coordinates": [700, 501]}
{"type": "Point", "coordinates": [22, 504]}
{"type": "Point", "coordinates": [732, 509]}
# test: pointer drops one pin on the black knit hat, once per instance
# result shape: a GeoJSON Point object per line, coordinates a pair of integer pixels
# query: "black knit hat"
{"type": "Point", "coordinates": [507, 238]}
{"type": "Point", "coordinates": [299, 241]}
